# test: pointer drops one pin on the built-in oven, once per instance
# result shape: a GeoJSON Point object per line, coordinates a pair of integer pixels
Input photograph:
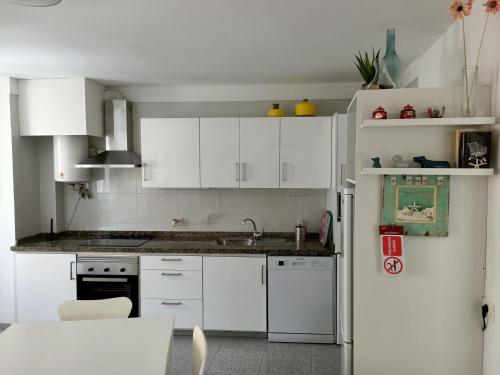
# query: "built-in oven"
{"type": "Point", "coordinates": [108, 277]}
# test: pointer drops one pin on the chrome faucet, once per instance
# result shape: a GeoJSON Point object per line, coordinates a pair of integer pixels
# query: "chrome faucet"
{"type": "Point", "coordinates": [256, 233]}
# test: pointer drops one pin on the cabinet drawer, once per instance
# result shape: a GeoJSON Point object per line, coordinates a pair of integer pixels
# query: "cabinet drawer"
{"type": "Point", "coordinates": [171, 284]}
{"type": "Point", "coordinates": [171, 262]}
{"type": "Point", "coordinates": [187, 313]}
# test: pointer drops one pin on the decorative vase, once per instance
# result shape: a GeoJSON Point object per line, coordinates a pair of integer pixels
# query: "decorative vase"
{"type": "Point", "coordinates": [391, 58]}
{"type": "Point", "coordinates": [469, 92]}
{"type": "Point", "coordinates": [276, 111]}
{"type": "Point", "coordinates": [381, 79]}
{"type": "Point", "coordinates": [305, 108]}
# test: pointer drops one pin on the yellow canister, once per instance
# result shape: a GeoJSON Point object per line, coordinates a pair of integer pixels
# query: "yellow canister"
{"type": "Point", "coordinates": [305, 108]}
{"type": "Point", "coordinates": [276, 111]}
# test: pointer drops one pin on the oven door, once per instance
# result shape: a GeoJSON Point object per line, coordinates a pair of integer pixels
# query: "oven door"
{"type": "Point", "coordinates": [106, 286]}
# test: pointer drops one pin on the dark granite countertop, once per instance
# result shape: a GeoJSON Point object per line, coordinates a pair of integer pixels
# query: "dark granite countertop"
{"type": "Point", "coordinates": [173, 243]}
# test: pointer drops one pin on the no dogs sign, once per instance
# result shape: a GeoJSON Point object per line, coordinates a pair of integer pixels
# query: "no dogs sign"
{"type": "Point", "coordinates": [391, 244]}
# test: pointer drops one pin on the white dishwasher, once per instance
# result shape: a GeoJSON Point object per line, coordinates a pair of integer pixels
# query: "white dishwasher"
{"type": "Point", "coordinates": [300, 294]}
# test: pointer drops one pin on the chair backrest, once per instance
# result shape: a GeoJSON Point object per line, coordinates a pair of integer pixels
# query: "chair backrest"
{"type": "Point", "coordinates": [111, 308]}
{"type": "Point", "coordinates": [199, 351]}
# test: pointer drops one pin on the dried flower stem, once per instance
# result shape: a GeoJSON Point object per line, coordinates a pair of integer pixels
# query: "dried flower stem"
{"type": "Point", "coordinates": [467, 108]}
{"type": "Point", "coordinates": [478, 53]}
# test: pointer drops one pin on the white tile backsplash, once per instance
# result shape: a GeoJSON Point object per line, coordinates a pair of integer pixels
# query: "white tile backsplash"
{"type": "Point", "coordinates": [120, 203]}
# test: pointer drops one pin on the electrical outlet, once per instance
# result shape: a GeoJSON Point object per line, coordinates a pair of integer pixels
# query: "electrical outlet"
{"type": "Point", "coordinates": [491, 309]}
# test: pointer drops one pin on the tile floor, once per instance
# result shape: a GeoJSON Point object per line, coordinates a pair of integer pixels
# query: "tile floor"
{"type": "Point", "coordinates": [251, 356]}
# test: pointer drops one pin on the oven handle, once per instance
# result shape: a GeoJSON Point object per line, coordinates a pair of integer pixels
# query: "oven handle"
{"type": "Point", "coordinates": [105, 279]}
{"type": "Point", "coordinates": [171, 303]}
{"type": "Point", "coordinates": [171, 274]}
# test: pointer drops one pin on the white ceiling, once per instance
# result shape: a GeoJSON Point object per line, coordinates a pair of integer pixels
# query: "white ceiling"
{"type": "Point", "coordinates": [171, 42]}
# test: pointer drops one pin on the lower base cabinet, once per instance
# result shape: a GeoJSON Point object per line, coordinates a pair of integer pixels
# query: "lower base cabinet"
{"type": "Point", "coordinates": [187, 313]}
{"type": "Point", "coordinates": [43, 282]}
{"type": "Point", "coordinates": [234, 293]}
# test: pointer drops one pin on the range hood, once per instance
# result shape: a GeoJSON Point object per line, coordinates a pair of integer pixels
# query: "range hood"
{"type": "Point", "coordinates": [119, 139]}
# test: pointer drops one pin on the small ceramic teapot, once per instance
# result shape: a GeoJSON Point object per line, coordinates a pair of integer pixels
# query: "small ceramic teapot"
{"type": "Point", "coordinates": [408, 112]}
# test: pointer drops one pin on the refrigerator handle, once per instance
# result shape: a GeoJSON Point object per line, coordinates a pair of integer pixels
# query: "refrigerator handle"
{"type": "Point", "coordinates": [339, 207]}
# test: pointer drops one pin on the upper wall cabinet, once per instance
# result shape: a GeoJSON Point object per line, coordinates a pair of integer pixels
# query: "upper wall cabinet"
{"type": "Point", "coordinates": [305, 152]}
{"type": "Point", "coordinates": [71, 106]}
{"type": "Point", "coordinates": [170, 152]}
{"type": "Point", "coordinates": [259, 152]}
{"type": "Point", "coordinates": [219, 152]}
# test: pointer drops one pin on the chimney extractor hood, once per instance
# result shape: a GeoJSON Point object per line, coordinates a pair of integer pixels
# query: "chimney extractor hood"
{"type": "Point", "coordinates": [119, 141]}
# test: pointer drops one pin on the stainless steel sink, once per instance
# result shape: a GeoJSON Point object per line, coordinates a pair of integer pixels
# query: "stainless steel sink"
{"type": "Point", "coordinates": [240, 242]}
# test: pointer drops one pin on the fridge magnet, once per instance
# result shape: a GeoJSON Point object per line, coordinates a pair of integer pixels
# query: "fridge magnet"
{"type": "Point", "coordinates": [420, 206]}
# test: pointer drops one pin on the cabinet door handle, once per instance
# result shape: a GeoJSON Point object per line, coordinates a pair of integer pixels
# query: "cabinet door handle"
{"type": "Point", "coordinates": [71, 264]}
{"type": "Point", "coordinates": [171, 274]}
{"type": "Point", "coordinates": [237, 171]}
{"type": "Point", "coordinates": [283, 172]}
{"type": "Point", "coordinates": [171, 259]}
{"type": "Point", "coordinates": [244, 171]}
{"type": "Point", "coordinates": [263, 275]}
{"type": "Point", "coordinates": [171, 303]}
{"type": "Point", "coordinates": [144, 174]}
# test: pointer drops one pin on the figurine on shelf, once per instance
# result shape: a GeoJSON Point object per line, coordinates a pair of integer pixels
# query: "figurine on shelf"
{"type": "Point", "coordinates": [399, 162]}
{"type": "Point", "coordinates": [376, 162]}
{"type": "Point", "coordinates": [379, 114]}
{"type": "Point", "coordinates": [408, 112]}
{"type": "Point", "coordinates": [426, 163]}
{"type": "Point", "coordinates": [435, 112]}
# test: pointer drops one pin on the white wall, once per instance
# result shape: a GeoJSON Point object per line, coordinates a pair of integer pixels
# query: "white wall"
{"type": "Point", "coordinates": [7, 210]}
{"type": "Point", "coordinates": [441, 66]}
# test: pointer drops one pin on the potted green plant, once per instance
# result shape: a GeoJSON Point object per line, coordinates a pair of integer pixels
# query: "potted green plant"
{"type": "Point", "coordinates": [366, 66]}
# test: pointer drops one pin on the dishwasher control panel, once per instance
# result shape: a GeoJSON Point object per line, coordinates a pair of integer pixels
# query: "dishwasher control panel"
{"type": "Point", "coordinates": [318, 263]}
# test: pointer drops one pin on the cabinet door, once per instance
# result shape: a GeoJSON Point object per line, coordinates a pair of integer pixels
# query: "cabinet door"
{"type": "Point", "coordinates": [305, 152]}
{"type": "Point", "coordinates": [259, 152]}
{"type": "Point", "coordinates": [234, 293]}
{"type": "Point", "coordinates": [70, 106]}
{"type": "Point", "coordinates": [43, 282]}
{"type": "Point", "coordinates": [170, 152]}
{"type": "Point", "coordinates": [219, 152]}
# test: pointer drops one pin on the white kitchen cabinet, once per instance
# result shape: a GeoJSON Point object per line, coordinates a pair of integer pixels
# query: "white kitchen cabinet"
{"type": "Point", "coordinates": [234, 293]}
{"type": "Point", "coordinates": [172, 285]}
{"type": "Point", "coordinates": [72, 106]}
{"type": "Point", "coordinates": [259, 152]}
{"type": "Point", "coordinates": [188, 313]}
{"type": "Point", "coordinates": [43, 282]}
{"type": "Point", "coordinates": [170, 152]}
{"type": "Point", "coordinates": [305, 152]}
{"type": "Point", "coordinates": [219, 153]}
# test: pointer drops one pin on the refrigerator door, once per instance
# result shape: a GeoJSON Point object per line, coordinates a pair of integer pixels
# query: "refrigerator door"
{"type": "Point", "coordinates": [346, 261]}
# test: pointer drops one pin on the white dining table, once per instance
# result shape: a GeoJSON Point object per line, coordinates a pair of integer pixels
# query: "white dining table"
{"type": "Point", "coordinates": [136, 346]}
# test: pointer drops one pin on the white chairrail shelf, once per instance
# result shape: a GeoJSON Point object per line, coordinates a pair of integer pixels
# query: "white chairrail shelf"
{"type": "Point", "coordinates": [430, 122]}
{"type": "Point", "coordinates": [429, 171]}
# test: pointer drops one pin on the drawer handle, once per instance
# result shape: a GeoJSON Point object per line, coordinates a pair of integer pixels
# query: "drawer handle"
{"type": "Point", "coordinates": [171, 303]}
{"type": "Point", "coordinates": [171, 273]}
{"type": "Point", "coordinates": [171, 259]}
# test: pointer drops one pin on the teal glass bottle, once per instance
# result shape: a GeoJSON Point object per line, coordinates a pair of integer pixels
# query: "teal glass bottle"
{"type": "Point", "coordinates": [391, 58]}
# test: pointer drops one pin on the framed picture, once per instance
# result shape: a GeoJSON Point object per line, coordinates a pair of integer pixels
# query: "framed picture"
{"type": "Point", "coordinates": [419, 203]}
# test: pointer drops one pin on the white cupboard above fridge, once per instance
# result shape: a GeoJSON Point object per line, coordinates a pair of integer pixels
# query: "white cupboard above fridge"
{"type": "Point", "coordinates": [170, 152]}
{"type": "Point", "coordinates": [66, 106]}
